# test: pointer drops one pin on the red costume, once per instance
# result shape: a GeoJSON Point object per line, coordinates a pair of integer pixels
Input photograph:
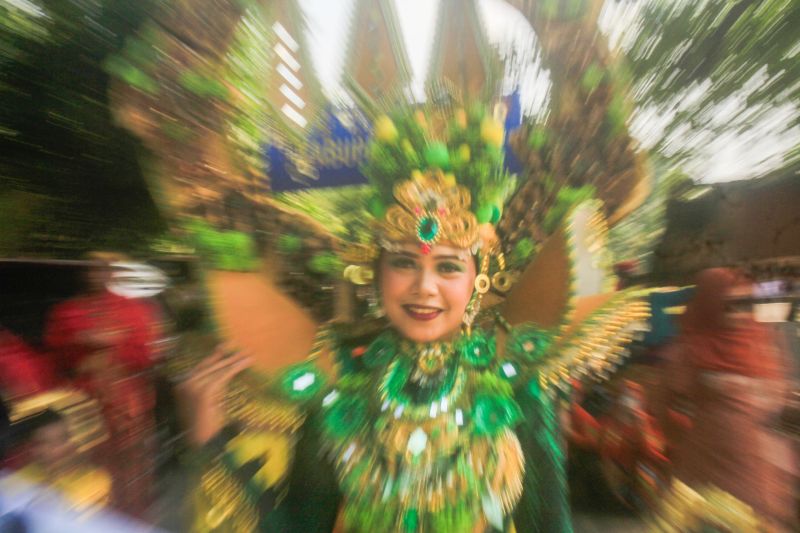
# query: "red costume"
{"type": "Point", "coordinates": [23, 371]}
{"type": "Point", "coordinates": [106, 343]}
{"type": "Point", "coordinates": [724, 383]}
{"type": "Point", "coordinates": [632, 447]}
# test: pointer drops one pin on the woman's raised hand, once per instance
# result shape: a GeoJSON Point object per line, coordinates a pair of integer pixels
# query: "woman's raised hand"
{"type": "Point", "coordinates": [201, 394]}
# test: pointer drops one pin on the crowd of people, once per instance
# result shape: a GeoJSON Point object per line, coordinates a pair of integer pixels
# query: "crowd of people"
{"type": "Point", "coordinates": [101, 347]}
{"type": "Point", "coordinates": [718, 412]}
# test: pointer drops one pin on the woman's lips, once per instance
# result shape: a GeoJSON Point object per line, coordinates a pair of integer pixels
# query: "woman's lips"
{"type": "Point", "coordinates": [421, 312]}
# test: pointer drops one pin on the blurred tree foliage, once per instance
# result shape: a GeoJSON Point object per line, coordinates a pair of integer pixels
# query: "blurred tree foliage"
{"type": "Point", "coordinates": [681, 43]}
{"type": "Point", "coordinates": [247, 71]}
{"type": "Point", "coordinates": [714, 73]}
{"type": "Point", "coordinates": [637, 236]}
{"type": "Point", "coordinates": [710, 79]}
{"type": "Point", "coordinates": [70, 179]}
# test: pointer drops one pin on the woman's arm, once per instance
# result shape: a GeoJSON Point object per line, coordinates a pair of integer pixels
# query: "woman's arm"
{"type": "Point", "coordinates": [258, 453]}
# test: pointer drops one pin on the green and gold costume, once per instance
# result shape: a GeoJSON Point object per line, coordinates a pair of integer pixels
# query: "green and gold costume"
{"type": "Point", "coordinates": [455, 436]}
{"type": "Point", "coordinates": [399, 444]}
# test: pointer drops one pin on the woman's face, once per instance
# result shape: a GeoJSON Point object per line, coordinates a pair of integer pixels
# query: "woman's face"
{"type": "Point", "coordinates": [425, 296]}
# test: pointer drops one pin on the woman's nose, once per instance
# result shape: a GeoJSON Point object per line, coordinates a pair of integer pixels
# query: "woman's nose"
{"type": "Point", "coordinates": [426, 283]}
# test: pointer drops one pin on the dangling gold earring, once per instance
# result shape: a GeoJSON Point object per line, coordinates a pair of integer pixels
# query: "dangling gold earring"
{"type": "Point", "coordinates": [482, 285]}
{"type": "Point", "coordinates": [502, 280]}
{"type": "Point", "coordinates": [473, 307]}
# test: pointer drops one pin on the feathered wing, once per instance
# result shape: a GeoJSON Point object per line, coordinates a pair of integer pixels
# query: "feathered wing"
{"type": "Point", "coordinates": [568, 291]}
{"type": "Point", "coordinates": [584, 141]}
{"type": "Point", "coordinates": [582, 148]}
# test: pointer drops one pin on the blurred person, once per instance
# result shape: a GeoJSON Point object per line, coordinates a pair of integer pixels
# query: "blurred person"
{"type": "Point", "coordinates": [5, 429]}
{"type": "Point", "coordinates": [54, 461]}
{"type": "Point", "coordinates": [106, 344]}
{"type": "Point", "coordinates": [425, 295]}
{"type": "Point", "coordinates": [724, 385]}
{"type": "Point", "coordinates": [788, 333]}
{"type": "Point", "coordinates": [631, 446]}
{"type": "Point", "coordinates": [422, 428]}
{"type": "Point", "coordinates": [582, 430]}
{"type": "Point", "coordinates": [23, 370]}
{"type": "Point", "coordinates": [432, 421]}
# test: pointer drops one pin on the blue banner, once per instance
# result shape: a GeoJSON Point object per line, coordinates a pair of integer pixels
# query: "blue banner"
{"type": "Point", "coordinates": [513, 121]}
{"type": "Point", "coordinates": [332, 159]}
{"type": "Point", "coordinates": [338, 147]}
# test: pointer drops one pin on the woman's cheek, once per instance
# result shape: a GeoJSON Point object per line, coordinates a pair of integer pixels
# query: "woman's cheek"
{"type": "Point", "coordinates": [397, 283]}
{"type": "Point", "coordinates": [459, 292]}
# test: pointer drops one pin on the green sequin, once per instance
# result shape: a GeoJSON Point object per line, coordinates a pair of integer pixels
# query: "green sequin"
{"type": "Point", "coordinates": [535, 388]}
{"type": "Point", "coordinates": [529, 343]}
{"type": "Point", "coordinates": [381, 351]}
{"type": "Point", "coordinates": [492, 413]}
{"type": "Point", "coordinates": [301, 382]}
{"type": "Point", "coordinates": [345, 416]}
{"type": "Point", "coordinates": [477, 350]}
{"type": "Point", "coordinates": [428, 229]}
{"type": "Point", "coordinates": [508, 370]}
{"type": "Point", "coordinates": [397, 379]}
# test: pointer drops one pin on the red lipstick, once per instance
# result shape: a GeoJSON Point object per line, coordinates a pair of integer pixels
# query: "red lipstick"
{"type": "Point", "coordinates": [421, 312]}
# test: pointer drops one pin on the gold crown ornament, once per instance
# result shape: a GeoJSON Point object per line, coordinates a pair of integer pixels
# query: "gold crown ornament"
{"type": "Point", "coordinates": [440, 178]}
{"type": "Point", "coordinates": [430, 208]}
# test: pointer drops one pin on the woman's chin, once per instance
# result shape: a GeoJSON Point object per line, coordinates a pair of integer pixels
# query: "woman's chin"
{"type": "Point", "coordinates": [427, 334]}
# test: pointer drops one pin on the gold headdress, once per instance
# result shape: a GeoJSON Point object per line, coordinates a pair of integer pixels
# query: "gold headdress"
{"type": "Point", "coordinates": [438, 176]}
{"type": "Point", "coordinates": [430, 208]}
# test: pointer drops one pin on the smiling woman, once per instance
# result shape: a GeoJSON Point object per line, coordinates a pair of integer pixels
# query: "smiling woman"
{"type": "Point", "coordinates": [425, 296]}
{"type": "Point", "coordinates": [431, 424]}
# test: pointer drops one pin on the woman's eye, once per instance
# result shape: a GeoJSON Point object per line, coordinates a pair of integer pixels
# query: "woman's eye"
{"type": "Point", "coordinates": [402, 262]}
{"type": "Point", "coordinates": [450, 268]}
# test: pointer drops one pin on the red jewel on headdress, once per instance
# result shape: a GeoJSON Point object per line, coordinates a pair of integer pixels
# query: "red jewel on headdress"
{"type": "Point", "coordinates": [417, 210]}
{"type": "Point", "coordinates": [442, 211]}
{"type": "Point", "coordinates": [425, 248]}
{"type": "Point", "coordinates": [358, 351]}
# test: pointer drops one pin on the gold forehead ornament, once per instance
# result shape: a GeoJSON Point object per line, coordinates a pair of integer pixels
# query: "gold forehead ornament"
{"type": "Point", "coordinates": [430, 208]}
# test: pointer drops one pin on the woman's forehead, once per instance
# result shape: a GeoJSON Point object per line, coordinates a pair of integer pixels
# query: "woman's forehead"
{"type": "Point", "coordinates": [436, 250]}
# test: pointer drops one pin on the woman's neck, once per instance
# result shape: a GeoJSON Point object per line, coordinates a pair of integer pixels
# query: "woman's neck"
{"type": "Point", "coordinates": [450, 338]}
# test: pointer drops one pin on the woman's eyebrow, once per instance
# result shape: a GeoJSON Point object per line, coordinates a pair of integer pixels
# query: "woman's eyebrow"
{"type": "Point", "coordinates": [456, 257]}
{"type": "Point", "coordinates": [406, 254]}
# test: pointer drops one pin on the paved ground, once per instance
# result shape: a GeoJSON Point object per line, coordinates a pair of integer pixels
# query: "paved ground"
{"type": "Point", "coordinates": [172, 513]}
{"type": "Point", "coordinates": [597, 522]}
